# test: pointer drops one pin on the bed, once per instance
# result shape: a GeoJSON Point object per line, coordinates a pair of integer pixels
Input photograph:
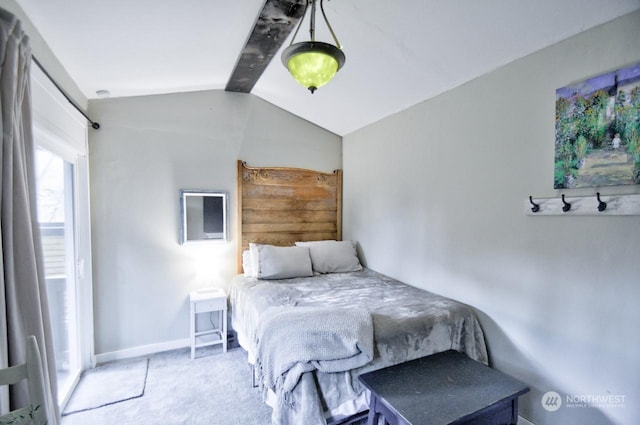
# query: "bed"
{"type": "Point", "coordinates": [310, 316]}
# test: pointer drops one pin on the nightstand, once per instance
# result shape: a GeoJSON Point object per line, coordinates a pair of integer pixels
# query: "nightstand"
{"type": "Point", "coordinates": [208, 301]}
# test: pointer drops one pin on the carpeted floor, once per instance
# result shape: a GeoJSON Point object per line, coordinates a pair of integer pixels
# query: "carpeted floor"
{"type": "Point", "coordinates": [213, 389]}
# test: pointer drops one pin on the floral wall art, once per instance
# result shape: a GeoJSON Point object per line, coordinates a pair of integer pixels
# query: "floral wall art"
{"type": "Point", "coordinates": [598, 131]}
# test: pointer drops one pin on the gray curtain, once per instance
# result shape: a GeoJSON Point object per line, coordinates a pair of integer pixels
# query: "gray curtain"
{"type": "Point", "coordinates": [23, 306]}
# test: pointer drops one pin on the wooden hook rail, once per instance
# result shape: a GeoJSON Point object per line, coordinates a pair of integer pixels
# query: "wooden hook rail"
{"type": "Point", "coordinates": [584, 205]}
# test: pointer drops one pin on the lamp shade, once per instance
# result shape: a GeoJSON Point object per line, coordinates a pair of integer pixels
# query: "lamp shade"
{"type": "Point", "coordinates": [313, 64]}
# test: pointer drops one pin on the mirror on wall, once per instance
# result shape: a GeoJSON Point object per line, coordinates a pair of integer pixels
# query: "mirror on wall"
{"type": "Point", "coordinates": [203, 216]}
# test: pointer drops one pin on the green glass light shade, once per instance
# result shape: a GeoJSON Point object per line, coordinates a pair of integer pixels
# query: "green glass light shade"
{"type": "Point", "coordinates": [313, 64]}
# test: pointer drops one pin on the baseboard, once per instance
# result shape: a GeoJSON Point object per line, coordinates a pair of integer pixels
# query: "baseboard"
{"type": "Point", "coordinates": [142, 350]}
{"type": "Point", "coordinates": [523, 421]}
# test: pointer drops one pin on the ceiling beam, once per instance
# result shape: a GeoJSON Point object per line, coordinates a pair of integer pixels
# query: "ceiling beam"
{"type": "Point", "coordinates": [275, 22]}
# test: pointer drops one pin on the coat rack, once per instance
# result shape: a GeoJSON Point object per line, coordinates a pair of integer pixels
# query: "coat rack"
{"type": "Point", "coordinates": [585, 205]}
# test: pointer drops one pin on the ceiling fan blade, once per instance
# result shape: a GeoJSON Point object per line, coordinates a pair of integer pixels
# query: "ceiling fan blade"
{"type": "Point", "coordinates": [275, 22]}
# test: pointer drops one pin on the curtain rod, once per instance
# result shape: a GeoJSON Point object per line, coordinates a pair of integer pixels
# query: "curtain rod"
{"type": "Point", "coordinates": [94, 124]}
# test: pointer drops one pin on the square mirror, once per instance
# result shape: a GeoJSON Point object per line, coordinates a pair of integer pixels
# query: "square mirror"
{"type": "Point", "coordinates": [203, 216]}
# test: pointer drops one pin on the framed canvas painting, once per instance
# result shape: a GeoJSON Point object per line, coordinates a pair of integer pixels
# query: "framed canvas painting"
{"type": "Point", "coordinates": [597, 131]}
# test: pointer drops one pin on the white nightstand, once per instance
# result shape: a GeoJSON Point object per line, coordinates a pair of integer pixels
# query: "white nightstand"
{"type": "Point", "coordinates": [208, 301]}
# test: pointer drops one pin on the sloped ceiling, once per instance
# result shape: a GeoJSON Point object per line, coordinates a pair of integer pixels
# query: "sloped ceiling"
{"type": "Point", "coordinates": [399, 53]}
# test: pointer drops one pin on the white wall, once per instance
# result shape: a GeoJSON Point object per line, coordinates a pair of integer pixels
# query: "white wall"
{"type": "Point", "coordinates": [435, 195]}
{"type": "Point", "coordinates": [147, 149]}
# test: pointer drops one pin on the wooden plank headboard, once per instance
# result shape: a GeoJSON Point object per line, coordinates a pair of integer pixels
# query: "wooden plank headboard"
{"type": "Point", "coordinates": [279, 206]}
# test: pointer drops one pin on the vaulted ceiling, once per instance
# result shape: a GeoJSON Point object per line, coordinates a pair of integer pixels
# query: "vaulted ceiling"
{"type": "Point", "coordinates": [399, 52]}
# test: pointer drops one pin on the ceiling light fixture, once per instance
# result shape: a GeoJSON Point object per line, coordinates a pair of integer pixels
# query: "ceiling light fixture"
{"type": "Point", "coordinates": [313, 63]}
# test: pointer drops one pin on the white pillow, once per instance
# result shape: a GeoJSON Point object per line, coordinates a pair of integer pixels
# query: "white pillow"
{"type": "Point", "coordinates": [280, 262]}
{"type": "Point", "coordinates": [247, 264]}
{"type": "Point", "coordinates": [333, 256]}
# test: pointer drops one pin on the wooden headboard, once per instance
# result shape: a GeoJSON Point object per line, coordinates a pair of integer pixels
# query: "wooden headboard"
{"type": "Point", "coordinates": [279, 206]}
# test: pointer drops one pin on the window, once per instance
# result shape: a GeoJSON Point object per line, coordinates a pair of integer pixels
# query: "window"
{"type": "Point", "coordinates": [60, 134]}
{"type": "Point", "coordinates": [55, 197]}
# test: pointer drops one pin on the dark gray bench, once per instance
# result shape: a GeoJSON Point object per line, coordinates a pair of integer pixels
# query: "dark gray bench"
{"type": "Point", "coordinates": [443, 389]}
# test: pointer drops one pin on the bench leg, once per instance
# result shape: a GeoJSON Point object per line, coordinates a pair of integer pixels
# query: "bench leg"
{"type": "Point", "coordinates": [374, 414]}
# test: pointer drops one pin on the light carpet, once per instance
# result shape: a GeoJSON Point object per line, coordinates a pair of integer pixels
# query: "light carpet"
{"type": "Point", "coordinates": [213, 389]}
{"type": "Point", "coordinates": [108, 384]}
